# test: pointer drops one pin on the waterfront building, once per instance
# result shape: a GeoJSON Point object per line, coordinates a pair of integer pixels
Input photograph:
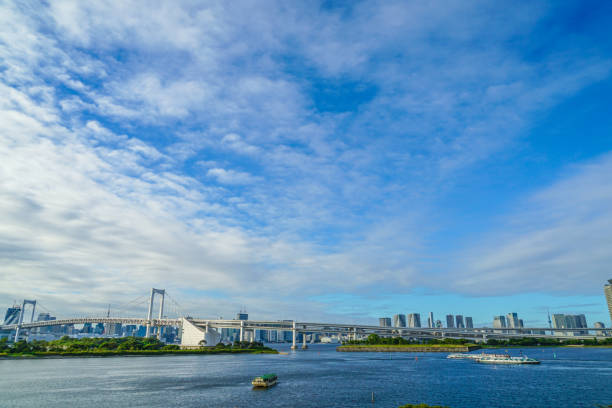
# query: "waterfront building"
{"type": "Point", "coordinates": [608, 293]}
{"type": "Point", "coordinates": [43, 317]}
{"type": "Point", "coordinates": [87, 329]}
{"type": "Point", "coordinates": [384, 322]}
{"type": "Point", "coordinates": [12, 315]}
{"type": "Point", "coordinates": [450, 321]}
{"type": "Point", "coordinates": [399, 320]}
{"type": "Point", "coordinates": [469, 323]}
{"type": "Point", "coordinates": [499, 322]}
{"type": "Point", "coordinates": [558, 322]}
{"type": "Point", "coordinates": [414, 319]}
{"type": "Point", "coordinates": [459, 322]}
{"type": "Point", "coordinates": [430, 321]}
{"type": "Point", "coordinates": [563, 321]}
{"type": "Point", "coordinates": [512, 320]}
{"type": "Point", "coordinates": [100, 329]}
{"type": "Point", "coordinates": [114, 329]}
{"type": "Point", "coordinates": [129, 330]}
{"type": "Point", "coordinates": [599, 325]}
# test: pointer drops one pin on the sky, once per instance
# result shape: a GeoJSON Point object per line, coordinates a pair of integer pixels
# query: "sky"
{"type": "Point", "coordinates": [320, 161]}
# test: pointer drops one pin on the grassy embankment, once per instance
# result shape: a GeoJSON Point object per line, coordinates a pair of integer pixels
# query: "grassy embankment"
{"type": "Point", "coordinates": [377, 343]}
{"type": "Point", "coordinates": [374, 341]}
{"type": "Point", "coordinates": [126, 346]}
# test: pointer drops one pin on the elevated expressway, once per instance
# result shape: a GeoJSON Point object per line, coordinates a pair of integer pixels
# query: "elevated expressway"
{"type": "Point", "coordinates": [194, 330]}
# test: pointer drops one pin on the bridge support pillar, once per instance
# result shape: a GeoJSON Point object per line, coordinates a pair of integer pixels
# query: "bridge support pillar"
{"type": "Point", "coordinates": [293, 345]}
{"type": "Point", "coordinates": [304, 346]}
{"type": "Point", "coordinates": [242, 330]}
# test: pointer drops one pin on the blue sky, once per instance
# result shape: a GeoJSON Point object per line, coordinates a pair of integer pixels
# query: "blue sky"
{"type": "Point", "coordinates": [333, 160]}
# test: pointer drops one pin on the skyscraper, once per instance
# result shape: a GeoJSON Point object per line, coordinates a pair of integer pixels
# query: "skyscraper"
{"type": "Point", "coordinates": [12, 315]}
{"type": "Point", "coordinates": [512, 320]}
{"type": "Point", "coordinates": [469, 324]}
{"type": "Point", "coordinates": [599, 325]}
{"type": "Point", "coordinates": [450, 322]}
{"type": "Point", "coordinates": [43, 317]}
{"type": "Point", "coordinates": [608, 293]}
{"type": "Point", "coordinates": [459, 322]}
{"type": "Point", "coordinates": [399, 320]}
{"type": "Point", "coordinates": [558, 322]}
{"type": "Point", "coordinates": [414, 320]}
{"type": "Point", "coordinates": [384, 322]}
{"type": "Point", "coordinates": [431, 322]}
{"type": "Point", "coordinates": [499, 322]}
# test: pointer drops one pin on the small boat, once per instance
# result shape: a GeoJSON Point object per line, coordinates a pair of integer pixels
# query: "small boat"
{"type": "Point", "coordinates": [265, 381]}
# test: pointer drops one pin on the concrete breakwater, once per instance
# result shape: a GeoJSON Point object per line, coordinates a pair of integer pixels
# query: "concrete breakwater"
{"type": "Point", "coordinates": [409, 349]}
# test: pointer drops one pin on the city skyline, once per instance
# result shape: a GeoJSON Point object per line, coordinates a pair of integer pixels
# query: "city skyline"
{"type": "Point", "coordinates": [333, 161]}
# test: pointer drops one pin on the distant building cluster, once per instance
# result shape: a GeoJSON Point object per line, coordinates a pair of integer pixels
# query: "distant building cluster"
{"type": "Point", "coordinates": [413, 320]}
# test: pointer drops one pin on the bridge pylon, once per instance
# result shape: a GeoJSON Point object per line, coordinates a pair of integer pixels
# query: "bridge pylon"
{"type": "Point", "coordinates": [21, 313]}
{"type": "Point", "coordinates": [154, 292]}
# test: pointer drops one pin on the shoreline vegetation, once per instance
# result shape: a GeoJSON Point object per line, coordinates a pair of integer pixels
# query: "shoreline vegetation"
{"type": "Point", "coordinates": [123, 346]}
{"type": "Point", "coordinates": [376, 343]}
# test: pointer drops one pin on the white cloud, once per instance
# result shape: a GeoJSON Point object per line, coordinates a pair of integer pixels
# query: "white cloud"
{"type": "Point", "coordinates": [110, 111]}
{"type": "Point", "coordinates": [558, 242]}
{"type": "Point", "coordinates": [231, 176]}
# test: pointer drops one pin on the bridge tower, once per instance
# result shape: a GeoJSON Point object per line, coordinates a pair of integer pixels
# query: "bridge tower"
{"type": "Point", "coordinates": [21, 313]}
{"type": "Point", "coordinates": [154, 292]}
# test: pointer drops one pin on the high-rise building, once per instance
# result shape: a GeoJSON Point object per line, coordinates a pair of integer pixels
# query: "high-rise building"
{"type": "Point", "coordinates": [114, 329]}
{"type": "Point", "coordinates": [87, 328]}
{"type": "Point", "coordinates": [563, 321]}
{"type": "Point", "coordinates": [438, 324]}
{"type": "Point", "coordinates": [242, 315]}
{"type": "Point", "coordinates": [469, 323]}
{"type": "Point", "coordinates": [43, 317]}
{"type": "Point", "coordinates": [430, 321]}
{"type": "Point", "coordinates": [608, 293]}
{"type": "Point", "coordinates": [558, 321]}
{"type": "Point", "coordinates": [99, 328]}
{"type": "Point", "coordinates": [512, 320]}
{"type": "Point", "coordinates": [12, 315]}
{"type": "Point", "coordinates": [499, 322]}
{"type": "Point", "coordinates": [521, 323]}
{"type": "Point", "coordinates": [600, 325]}
{"type": "Point", "coordinates": [459, 322]}
{"type": "Point", "coordinates": [414, 319]}
{"type": "Point", "coordinates": [384, 322]}
{"type": "Point", "coordinates": [129, 330]}
{"type": "Point", "coordinates": [399, 320]}
{"type": "Point", "coordinates": [450, 321]}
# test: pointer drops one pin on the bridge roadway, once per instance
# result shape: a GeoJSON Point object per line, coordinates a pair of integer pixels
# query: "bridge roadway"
{"type": "Point", "coordinates": [345, 331]}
